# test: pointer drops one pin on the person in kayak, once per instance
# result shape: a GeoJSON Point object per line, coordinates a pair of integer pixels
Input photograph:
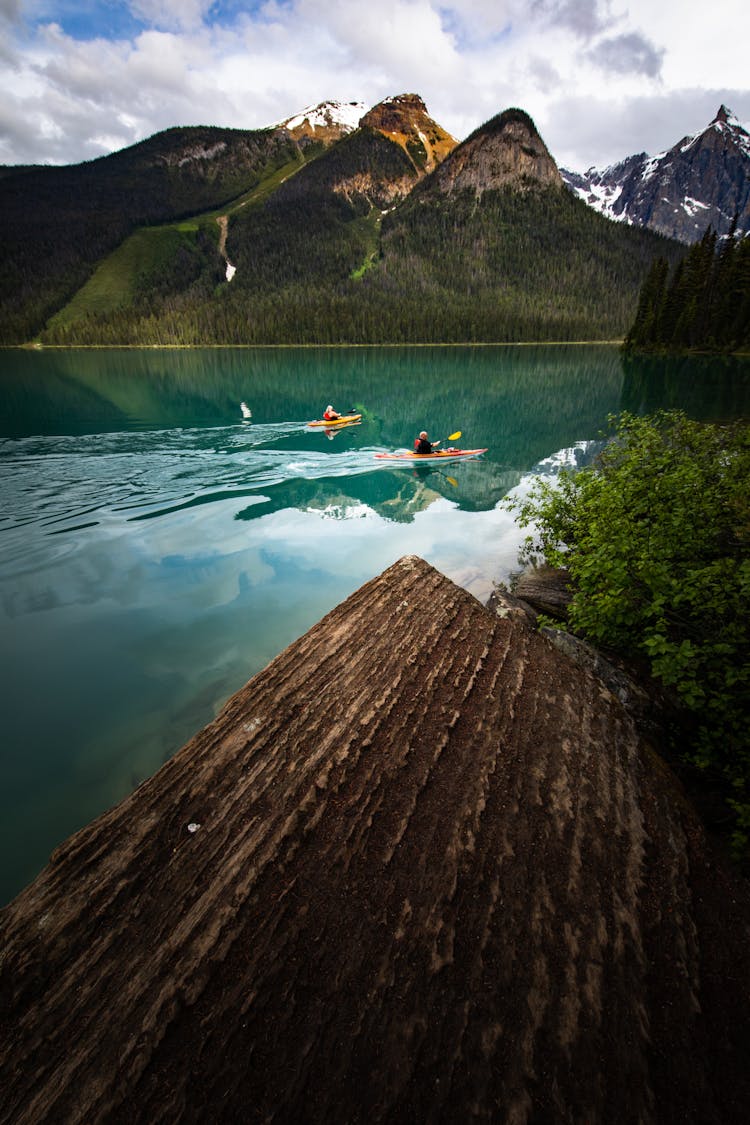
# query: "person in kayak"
{"type": "Point", "coordinates": [423, 445]}
{"type": "Point", "coordinates": [329, 414]}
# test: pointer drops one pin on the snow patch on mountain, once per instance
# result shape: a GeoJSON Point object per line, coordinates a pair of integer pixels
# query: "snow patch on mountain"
{"type": "Point", "coordinates": [692, 206]}
{"type": "Point", "coordinates": [344, 114]}
{"type": "Point", "coordinates": [702, 180]}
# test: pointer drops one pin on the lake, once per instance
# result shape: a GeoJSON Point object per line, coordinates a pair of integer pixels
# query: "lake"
{"type": "Point", "coordinates": [157, 550]}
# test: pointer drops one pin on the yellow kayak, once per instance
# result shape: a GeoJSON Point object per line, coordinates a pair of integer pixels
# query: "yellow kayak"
{"type": "Point", "coordinates": [344, 420]}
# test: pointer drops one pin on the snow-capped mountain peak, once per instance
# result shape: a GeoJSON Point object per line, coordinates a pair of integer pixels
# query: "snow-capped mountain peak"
{"type": "Point", "coordinates": [702, 180]}
{"type": "Point", "coordinates": [325, 119]}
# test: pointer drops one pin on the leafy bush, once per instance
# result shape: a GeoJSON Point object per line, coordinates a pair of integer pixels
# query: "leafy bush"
{"type": "Point", "coordinates": [655, 537]}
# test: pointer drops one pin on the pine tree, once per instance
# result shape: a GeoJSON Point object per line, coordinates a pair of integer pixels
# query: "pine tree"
{"type": "Point", "coordinates": [705, 306]}
{"type": "Point", "coordinates": [645, 331]}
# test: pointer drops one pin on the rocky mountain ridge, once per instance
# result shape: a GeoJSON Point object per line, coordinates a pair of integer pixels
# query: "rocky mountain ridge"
{"type": "Point", "coordinates": [405, 120]}
{"type": "Point", "coordinates": [305, 210]}
{"type": "Point", "coordinates": [402, 118]}
{"type": "Point", "coordinates": [328, 121]}
{"type": "Point", "coordinates": [506, 151]}
{"type": "Point", "coordinates": [702, 180]}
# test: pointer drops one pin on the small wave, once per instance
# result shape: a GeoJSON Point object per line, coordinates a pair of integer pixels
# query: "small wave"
{"type": "Point", "coordinates": [64, 484]}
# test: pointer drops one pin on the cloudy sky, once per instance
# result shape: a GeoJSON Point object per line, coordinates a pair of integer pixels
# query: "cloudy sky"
{"type": "Point", "coordinates": [601, 78]}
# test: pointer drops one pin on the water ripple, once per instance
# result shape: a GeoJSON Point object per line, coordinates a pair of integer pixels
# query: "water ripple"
{"type": "Point", "coordinates": [57, 484]}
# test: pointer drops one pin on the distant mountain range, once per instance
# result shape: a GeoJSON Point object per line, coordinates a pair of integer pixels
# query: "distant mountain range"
{"type": "Point", "coordinates": [703, 180]}
{"type": "Point", "coordinates": [333, 226]}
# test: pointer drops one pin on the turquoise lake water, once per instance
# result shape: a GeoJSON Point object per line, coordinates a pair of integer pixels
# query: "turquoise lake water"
{"type": "Point", "coordinates": [156, 550]}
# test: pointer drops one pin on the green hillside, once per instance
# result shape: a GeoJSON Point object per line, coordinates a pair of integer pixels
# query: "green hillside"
{"type": "Point", "coordinates": [143, 260]}
{"type": "Point", "coordinates": [57, 224]}
{"type": "Point", "coordinates": [320, 263]}
{"type": "Point", "coordinates": [512, 265]}
{"type": "Point", "coordinates": [350, 247]}
{"type": "Point", "coordinates": [320, 227]}
{"type": "Point", "coordinates": [160, 261]}
{"type": "Point", "coordinates": [316, 229]}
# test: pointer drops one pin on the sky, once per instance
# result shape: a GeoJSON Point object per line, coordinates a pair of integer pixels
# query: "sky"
{"type": "Point", "coordinates": [602, 79]}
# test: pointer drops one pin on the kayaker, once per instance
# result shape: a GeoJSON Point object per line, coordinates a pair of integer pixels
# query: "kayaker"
{"type": "Point", "coordinates": [329, 415]}
{"type": "Point", "coordinates": [423, 445]}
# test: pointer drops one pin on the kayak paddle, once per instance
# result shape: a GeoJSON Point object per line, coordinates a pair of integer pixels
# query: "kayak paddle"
{"type": "Point", "coordinates": [450, 437]}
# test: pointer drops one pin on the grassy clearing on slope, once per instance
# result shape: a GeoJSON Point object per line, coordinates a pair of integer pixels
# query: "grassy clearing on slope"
{"type": "Point", "coordinates": [151, 250]}
{"type": "Point", "coordinates": [371, 226]}
{"type": "Point", "coordinates": [115, 281]}
{"type": "Point", "coordinates": [266, 187]}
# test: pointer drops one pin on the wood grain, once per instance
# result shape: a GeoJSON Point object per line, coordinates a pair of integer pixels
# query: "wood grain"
{"type": "Point", "coordinates": [436, 876]}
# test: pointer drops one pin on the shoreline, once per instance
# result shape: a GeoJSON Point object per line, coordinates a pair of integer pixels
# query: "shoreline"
{"type": "Point", "coordinates": [37, 347]}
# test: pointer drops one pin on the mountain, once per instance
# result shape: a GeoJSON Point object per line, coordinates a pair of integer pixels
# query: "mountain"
{"type": "Point", "coordinates": [328, 121]}
{"type": "Point", "coordinates": [364, 245]}
{"type": "Point", "coordinates": [58, 224]}
{"type": "Point", "coordinates": [490, 247]}
{"type": "Point", "coordinates": [316, 231]}
{"type": "Point", "coordinates": [702, 181]}
{"type": "Point", "coordinates": [506, 151]}
{"type": "Point", "coordinates": [323, 223]}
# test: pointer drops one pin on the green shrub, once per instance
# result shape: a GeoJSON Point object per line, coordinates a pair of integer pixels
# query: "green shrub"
{"type": "Point", "coordinates": [655, 537]}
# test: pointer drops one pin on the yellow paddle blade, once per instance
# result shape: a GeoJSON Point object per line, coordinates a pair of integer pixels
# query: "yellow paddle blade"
{"type": "Point", "coordinates": [453, 481]}
{"type": "Point", "coordinates": [454, 437]}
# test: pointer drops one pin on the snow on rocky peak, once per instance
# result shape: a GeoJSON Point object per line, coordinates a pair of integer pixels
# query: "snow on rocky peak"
{"type": "Point", "coordinates": [326, 115]}
{"type": "Point", "coordinates": [726, 120]}
{"type": "Point", "coordinates": [702, 180]}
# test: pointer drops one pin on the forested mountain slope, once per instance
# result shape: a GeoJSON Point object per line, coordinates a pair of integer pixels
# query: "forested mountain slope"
{"type": "Point", "coordinates": [359, 247]}
{"type": "Point", "coordinates": [392, 234]}
{"type": "Point", "coordinates": [57, 223]}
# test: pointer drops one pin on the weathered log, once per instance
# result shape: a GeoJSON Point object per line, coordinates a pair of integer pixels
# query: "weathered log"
{"type": "Point", "coordinates": [546, 589]}
{"type": "Point", "coordinates": [419, 869]}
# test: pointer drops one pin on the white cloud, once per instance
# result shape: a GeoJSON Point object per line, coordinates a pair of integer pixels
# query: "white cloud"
{"type": "Point", "coordinates": [601, 78]}
{"type": "Point", "coordinates": [171, 14]}
{"type": "Point", "coordinates": [392, 36]}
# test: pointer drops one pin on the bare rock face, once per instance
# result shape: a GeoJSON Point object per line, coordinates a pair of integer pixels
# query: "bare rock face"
{"type": "Point", "coordinates": [702, 181]}
{"type": "Point", "coordinates": [405, 120]}
{"type": "Point", "coordinates": [505, 152]}
{"type": "Point", "coordinates": [378, 190]}
{"type": "Point", "coordinates": [421, 868]}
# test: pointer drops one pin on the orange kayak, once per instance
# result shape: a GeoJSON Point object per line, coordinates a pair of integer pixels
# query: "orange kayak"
{"type": "Point", "coordinates": [425, 458]}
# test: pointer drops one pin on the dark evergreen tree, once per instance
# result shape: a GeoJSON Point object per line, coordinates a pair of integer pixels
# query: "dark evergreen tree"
{"type": "Point", "coordinates": [706, 305]}
{"type": "Point", "coordinates": [646, 327]}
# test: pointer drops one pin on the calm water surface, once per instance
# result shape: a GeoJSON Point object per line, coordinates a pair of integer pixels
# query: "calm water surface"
{"type": "Point", "coordinates": [156, 551]}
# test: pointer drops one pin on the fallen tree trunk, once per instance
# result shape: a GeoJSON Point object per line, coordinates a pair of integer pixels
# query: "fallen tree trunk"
{"type": "Point", "coordinates": [547, 589]}
{"type": "Point", "coordinates": [420, 868]}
